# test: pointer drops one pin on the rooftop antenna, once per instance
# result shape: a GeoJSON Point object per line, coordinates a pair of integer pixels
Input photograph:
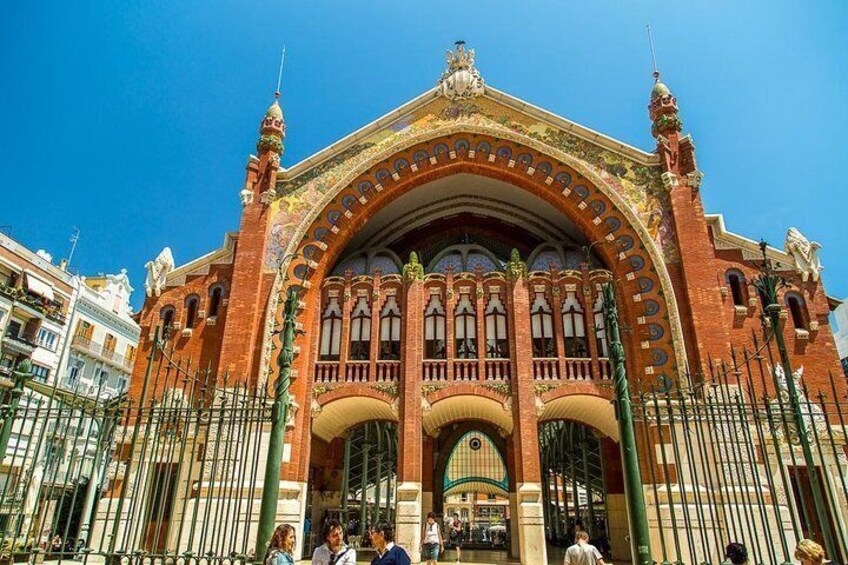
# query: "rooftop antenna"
{"type": "Point", "coordinates": [73, 239]}
{"type": "Point", "coordinates": [653, 54]}
{"type": "Point", "coordinates": [280, 74]}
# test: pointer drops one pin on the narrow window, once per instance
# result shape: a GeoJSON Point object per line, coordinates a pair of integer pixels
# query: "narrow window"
{"type": "Point", "coordinates": [795, 305]}
{"type": "Point", "coordinates": [191, 305]}
{"type": "Point", "coordinates": [736, 282]}
{"type": "Point", "coordinates": [167, 317]}
{"type": "Point", "coordinates": [331, 330]}
{"type": "Point", "coordinates": [390, 330]}
{"type": "Point", "coordinates": [542, 326]}
{"type": "Point", "coordinates": [465, 321]}
{"type": "Point", "coordinates": [497, 343]}
{"type": "Point", "coordinates": [600, 327]}
{"type": "Point", "coordinates": [215, 295]}
{"type": "Point", "coordinates": [434, 329]}
{"type": "Point", "coordinates": [574, 326]}
{"type": "Point", "coordinates": [360, 330]}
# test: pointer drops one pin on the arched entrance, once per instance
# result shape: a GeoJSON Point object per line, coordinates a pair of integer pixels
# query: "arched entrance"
{"type": "Point", "coordinates": [467, 310]}
{"type": "Point", "coordinates": [582, 485]}
{"type": "Point", "coordinates": [353, 466]}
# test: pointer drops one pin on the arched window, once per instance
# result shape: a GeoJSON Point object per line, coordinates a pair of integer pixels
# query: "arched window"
{"type": "Point", "coordinates": [216, 294]}
{"type": "Point", "coordinates": [434, 329]}
{"type": "Point", "coordinates": [600, 327]}
{"type": "Point", "coordinates": [331, 330]}
{"type": "Point", "coordinates": [736, 281]}
{"type": "Point", "coordinates": [542, 327]}
{"type": "Point", "coordinates": [574, 326]}
{"type": "Point", "coordinates": [191, 304]}
{"type": "Point", "coordinates": [465, 322]}
{"type": "Point", "coordinates": [795, 305]}
{"type": "Point", "coordinates": [497, 343]}
{"type": "Point", "coordinates": [360, 330]}
{"type": "Point", "coordinates": [166, 315]}
{"type": "Point", "coordinates": [390, 330]}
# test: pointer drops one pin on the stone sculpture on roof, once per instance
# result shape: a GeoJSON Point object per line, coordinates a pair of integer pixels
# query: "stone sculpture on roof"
{"type": "Point", "coordinates": [157, 272]}
{"type": "Point", "coordinates": [805, 253]}
{"type": "Point", "coordinates": [460, 81]}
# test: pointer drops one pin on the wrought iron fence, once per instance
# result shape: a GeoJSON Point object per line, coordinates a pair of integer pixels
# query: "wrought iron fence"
{"type": "Point", "coordinates": [723, 462]}
{"type": "Point", "coordinates": [174, 476]}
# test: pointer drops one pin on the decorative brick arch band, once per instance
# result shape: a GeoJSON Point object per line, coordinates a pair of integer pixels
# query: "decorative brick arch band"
{"type": "Point", "coordinates": [645, 290]}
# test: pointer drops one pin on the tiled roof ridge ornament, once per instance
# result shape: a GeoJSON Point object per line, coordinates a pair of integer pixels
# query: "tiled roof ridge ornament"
{"type": "Point", "coordinates": [461, 80]}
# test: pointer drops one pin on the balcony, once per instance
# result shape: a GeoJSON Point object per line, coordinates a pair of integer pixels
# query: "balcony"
{"type": "Point", "coordinates": [101, 352]}
{"type": "Point", "coordinates": [33, 304]}
{"type": "Point", "coordinates": [21, 344]}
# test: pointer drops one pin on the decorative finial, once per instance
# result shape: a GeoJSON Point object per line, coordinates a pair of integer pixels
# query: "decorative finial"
{"type": "Point", "coordinates": [414, 270]}
{"type": "Point", "coordinates": [280, 74]}
{"type": "Point", "coordinates": [515, 267]}
{"type": "Point", "coordinates": [460, 81]}
{"type": "Point", "coordinates": [656, 72]}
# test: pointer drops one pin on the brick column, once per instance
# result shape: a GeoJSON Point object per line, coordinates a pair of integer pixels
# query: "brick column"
{"type": "Point", "coordinates": [480, 309]}
{"type": "Point", "coordinates": [529, 518]}
{"type": "Point", "coordinates": [374, 353]}
{"type": "Point", "coordinates": [450, 331]}
{"type": "Point", "coordinates": [246, 297]}
{"type": "Point", "coordinates": [344, 346]}
{"type": "Point", "coordinates": [411, 428]}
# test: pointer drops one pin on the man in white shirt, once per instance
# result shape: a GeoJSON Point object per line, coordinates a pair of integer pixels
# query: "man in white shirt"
{"type": "Point", "coordinates": [333, 551]}
{"type": "Point", "coordinates": [582, 552]}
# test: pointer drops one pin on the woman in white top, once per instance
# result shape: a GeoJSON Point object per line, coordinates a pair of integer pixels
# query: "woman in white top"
{"type": "Point", "coordinates": [431, 540]}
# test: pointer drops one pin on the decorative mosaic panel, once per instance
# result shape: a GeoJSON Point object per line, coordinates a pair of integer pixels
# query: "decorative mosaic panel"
{"type": "Point", "coordinates": [639, 185]}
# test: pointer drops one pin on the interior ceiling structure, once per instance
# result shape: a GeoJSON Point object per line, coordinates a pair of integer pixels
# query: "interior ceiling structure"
{"type": "Point", "coordinates": [465, 208]}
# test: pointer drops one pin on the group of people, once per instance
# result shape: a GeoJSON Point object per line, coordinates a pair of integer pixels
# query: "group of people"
{"type": "Point", "coordinates": [807, 552]}
{"type": "Point", "coordinates": [334, 551]}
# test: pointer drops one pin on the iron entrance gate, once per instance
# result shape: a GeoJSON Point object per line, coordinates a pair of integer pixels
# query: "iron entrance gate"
{"type": "Point", "coordinates": [722, 462]}
{"type": "Point", "coordinates": [175, 475]}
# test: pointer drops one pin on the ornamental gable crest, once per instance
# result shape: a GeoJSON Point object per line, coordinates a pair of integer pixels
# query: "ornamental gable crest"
{"type": "Point", "coordinates": [460, 81]}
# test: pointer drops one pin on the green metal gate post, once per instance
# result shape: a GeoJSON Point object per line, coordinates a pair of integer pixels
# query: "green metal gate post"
{"type": "Point", "coordinates": [636, 513]}
{"type": "Point", "coordinates": [20, 375]}
{"type": "Point", "coordinates": [279, 414]}
{"type": "Point", "coordinates": [768, 284]}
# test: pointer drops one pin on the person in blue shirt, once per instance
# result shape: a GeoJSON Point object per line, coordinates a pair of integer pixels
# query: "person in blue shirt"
{"type": "Point", "coordinates": [281, 548]}
{"type": "Point", "coordinates": [383, 538]}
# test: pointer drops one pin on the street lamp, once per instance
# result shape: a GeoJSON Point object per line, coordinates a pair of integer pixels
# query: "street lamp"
{"type": "Point", "coordinates": [768, 283]}
{"type": "Point", "coordinates": [279, 414]}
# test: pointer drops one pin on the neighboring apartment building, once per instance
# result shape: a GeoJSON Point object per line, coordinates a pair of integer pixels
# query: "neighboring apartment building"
{"type": "Point", "coordinates": [80, 338]}
{"type": "Point", "coordinates": [105, 337]}
{"type": "Point", "coordinates": [841, 336]}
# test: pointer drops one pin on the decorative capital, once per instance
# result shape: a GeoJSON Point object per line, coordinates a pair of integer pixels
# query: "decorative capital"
{"type": "Point", "coordinates": [268, 196]}
{"type": "Point", "coordinates": [413, 270]}
{"type": "Point", "coordinates": [515, 268]}
{"type": "Point", "coordinates": [670, 180]}
{"type": "Point", "coordinates": [460, 81]}
{"type": "Point", "coordinates": [246, 197]}
{"type": "Point", "coordinates": [695, 178]}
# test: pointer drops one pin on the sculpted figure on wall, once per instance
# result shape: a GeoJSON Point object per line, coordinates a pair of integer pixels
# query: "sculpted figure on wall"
{"type": "Point", "coordinates": [157, 272]}
{"type": "Point", "coordinates": [805, 253]}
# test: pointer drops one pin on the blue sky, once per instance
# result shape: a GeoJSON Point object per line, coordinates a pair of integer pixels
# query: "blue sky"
{"type": "Point", "coordinates": [133, 120]}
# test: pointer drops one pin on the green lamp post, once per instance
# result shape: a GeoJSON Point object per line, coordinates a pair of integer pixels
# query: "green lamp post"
{"type": "Point", "coordinates": [768, 284]}
{"type": "Point", "coordinates": [279, 415]}
{"type": "Point", "coordinates": [636, 514]}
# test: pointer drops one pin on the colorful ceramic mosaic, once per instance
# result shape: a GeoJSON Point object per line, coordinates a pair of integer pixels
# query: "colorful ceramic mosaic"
{"type": "Point", "coordinates": [639, 185]}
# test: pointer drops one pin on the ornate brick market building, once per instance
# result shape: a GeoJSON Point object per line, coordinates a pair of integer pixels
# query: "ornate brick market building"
{"type": "Point", "coordinates": [450, 257]}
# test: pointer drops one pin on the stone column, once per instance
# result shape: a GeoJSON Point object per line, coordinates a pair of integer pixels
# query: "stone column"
{"type": "Point", "coordinates": [410, 432]}
{"type": "Point", "coordinates": [529, 518]}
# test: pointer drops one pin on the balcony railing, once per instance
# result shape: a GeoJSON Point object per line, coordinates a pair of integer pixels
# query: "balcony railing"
{"type": "Point", "coordinates": [45, 307]}
{"type": "Point", "coordinates": [102, 351]}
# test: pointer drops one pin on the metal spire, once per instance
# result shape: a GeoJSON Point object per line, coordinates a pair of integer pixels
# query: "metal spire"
{"type": "Point", "coordinates": [280, 74]}
{"type": "Point", "coordinates": [656, 72]}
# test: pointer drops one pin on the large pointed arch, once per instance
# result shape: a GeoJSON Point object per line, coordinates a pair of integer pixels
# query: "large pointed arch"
{"type": "Point", "coordinates": [645, 289]}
